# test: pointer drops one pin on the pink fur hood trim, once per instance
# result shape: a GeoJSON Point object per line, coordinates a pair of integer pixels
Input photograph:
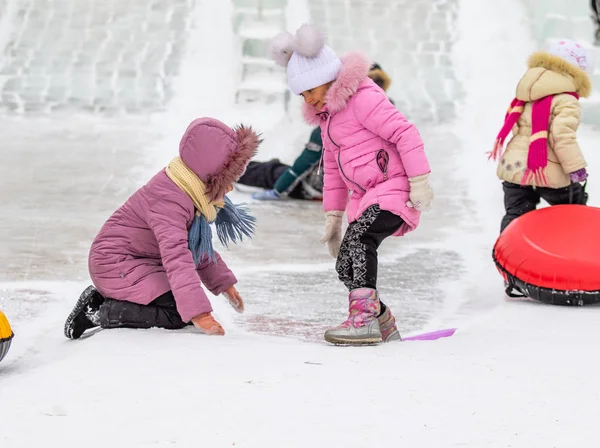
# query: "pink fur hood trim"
{"type": "Point", "coordinates": [355, 68]}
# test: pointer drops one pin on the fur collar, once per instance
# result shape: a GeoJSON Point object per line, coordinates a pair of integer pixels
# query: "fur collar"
{"type": "Point", "coordinates": [580, 78]}
{"type": "Point", "coordinates": [355, 69]}
{"type": "Point", "coordinates": [385, 79]}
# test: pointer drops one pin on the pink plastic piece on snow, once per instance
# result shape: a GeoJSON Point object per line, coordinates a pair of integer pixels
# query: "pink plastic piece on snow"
{"type": "Point", "coordinates": [432, 336]}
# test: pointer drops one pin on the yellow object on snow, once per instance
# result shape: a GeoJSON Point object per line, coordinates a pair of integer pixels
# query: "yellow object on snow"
{"type": "Point", "coordinates": [6, 335]}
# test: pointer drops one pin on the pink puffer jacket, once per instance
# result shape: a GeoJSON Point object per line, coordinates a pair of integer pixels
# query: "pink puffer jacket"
{"type": "Point", "coordinates": [369, 147]}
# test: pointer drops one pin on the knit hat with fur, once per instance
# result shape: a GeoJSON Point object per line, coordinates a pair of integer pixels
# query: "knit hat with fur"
{"type": "Point", "coordinates": [310, 63]}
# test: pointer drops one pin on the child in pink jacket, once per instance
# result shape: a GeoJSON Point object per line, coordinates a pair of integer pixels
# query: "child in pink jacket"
{"type": "Point", "coordinates": [371, 151]}
{"type": "Point", "coordinates": [152, 255]}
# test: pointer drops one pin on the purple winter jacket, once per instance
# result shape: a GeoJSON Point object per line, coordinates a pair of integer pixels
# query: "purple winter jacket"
{"type": "Point", "coordinates": [142, 250]}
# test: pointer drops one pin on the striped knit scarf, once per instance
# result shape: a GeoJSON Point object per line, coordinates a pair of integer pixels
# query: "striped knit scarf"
{"type": "Point", "coordinates": [232, 221]}
{"type": "Point", "coordinates": [537, 157]}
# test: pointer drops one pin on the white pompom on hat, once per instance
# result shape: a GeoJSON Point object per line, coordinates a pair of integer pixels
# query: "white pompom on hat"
{"type": "Point", "coordinates": [571, 52]}
{"type": "Point", "coordinates": [310, 63]}
{"type": "Point", "coordinates": [282, 47]}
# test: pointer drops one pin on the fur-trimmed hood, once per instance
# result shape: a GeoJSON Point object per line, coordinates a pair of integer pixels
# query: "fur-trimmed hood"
{"type": "Point", "coordinates": [217, 153]}
{"type": "Point", "coordinates": [354, 71]}
{"type": "Point", "coordinates": [551, 75]}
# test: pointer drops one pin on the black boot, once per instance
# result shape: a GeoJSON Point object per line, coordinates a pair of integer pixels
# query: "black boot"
{"type": "Point", "coordinates": [85, 314]}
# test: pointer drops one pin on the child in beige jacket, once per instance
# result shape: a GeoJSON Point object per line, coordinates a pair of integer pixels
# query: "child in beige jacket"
{"type": "Point", "coordinates": [543, 159]}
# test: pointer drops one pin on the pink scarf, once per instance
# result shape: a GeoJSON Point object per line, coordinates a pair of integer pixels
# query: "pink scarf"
{"type": "Point", "coordinates": [537, 157]}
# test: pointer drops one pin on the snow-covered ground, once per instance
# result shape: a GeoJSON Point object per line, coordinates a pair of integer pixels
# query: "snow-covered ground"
{"type": "Point", "coordinates": [516, 374]}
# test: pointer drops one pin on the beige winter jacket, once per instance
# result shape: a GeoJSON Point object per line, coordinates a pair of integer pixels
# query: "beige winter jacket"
{"type": "Point", "coordinates": [548, 75]}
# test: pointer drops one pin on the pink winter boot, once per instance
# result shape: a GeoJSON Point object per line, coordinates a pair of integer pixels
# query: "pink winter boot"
{"type": "Point", "coordinates": [362, 326]}
{"type": "Point", "coordinates": [387, 325]}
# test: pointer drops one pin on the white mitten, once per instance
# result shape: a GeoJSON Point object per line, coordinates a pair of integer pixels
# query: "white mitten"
{"type": "Point", "coordinates": [333, 232]}
{"type": "Point", "coordinates": [421, 194]}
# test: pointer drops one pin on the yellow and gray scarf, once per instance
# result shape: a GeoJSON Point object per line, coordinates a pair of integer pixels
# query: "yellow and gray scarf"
{"type": "Point", "coordinates": [232, 221]}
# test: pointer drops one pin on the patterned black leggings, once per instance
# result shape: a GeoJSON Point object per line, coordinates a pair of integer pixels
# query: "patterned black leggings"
{"type": "Point", "coordinates": [357, 262]}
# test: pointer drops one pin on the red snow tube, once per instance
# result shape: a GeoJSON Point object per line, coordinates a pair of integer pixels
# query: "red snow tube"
{"type": "Point", "coordinates": [553, 255]}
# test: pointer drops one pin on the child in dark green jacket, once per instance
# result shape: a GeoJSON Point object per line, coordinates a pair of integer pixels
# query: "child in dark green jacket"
{"type": "Point", "coordinates": [299, 181]}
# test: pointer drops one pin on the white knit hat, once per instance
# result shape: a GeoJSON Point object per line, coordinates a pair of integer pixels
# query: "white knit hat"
{"type": "Point", "coordinates": [571, 52]}
{"type": "Point", "coordinates": [310, 63]}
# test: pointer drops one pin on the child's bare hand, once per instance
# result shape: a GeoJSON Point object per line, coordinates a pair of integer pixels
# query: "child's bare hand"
{"type": "Point", "coordinates": [234, 299]}
{"type": "Point", "coordinates": [208, 325]}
